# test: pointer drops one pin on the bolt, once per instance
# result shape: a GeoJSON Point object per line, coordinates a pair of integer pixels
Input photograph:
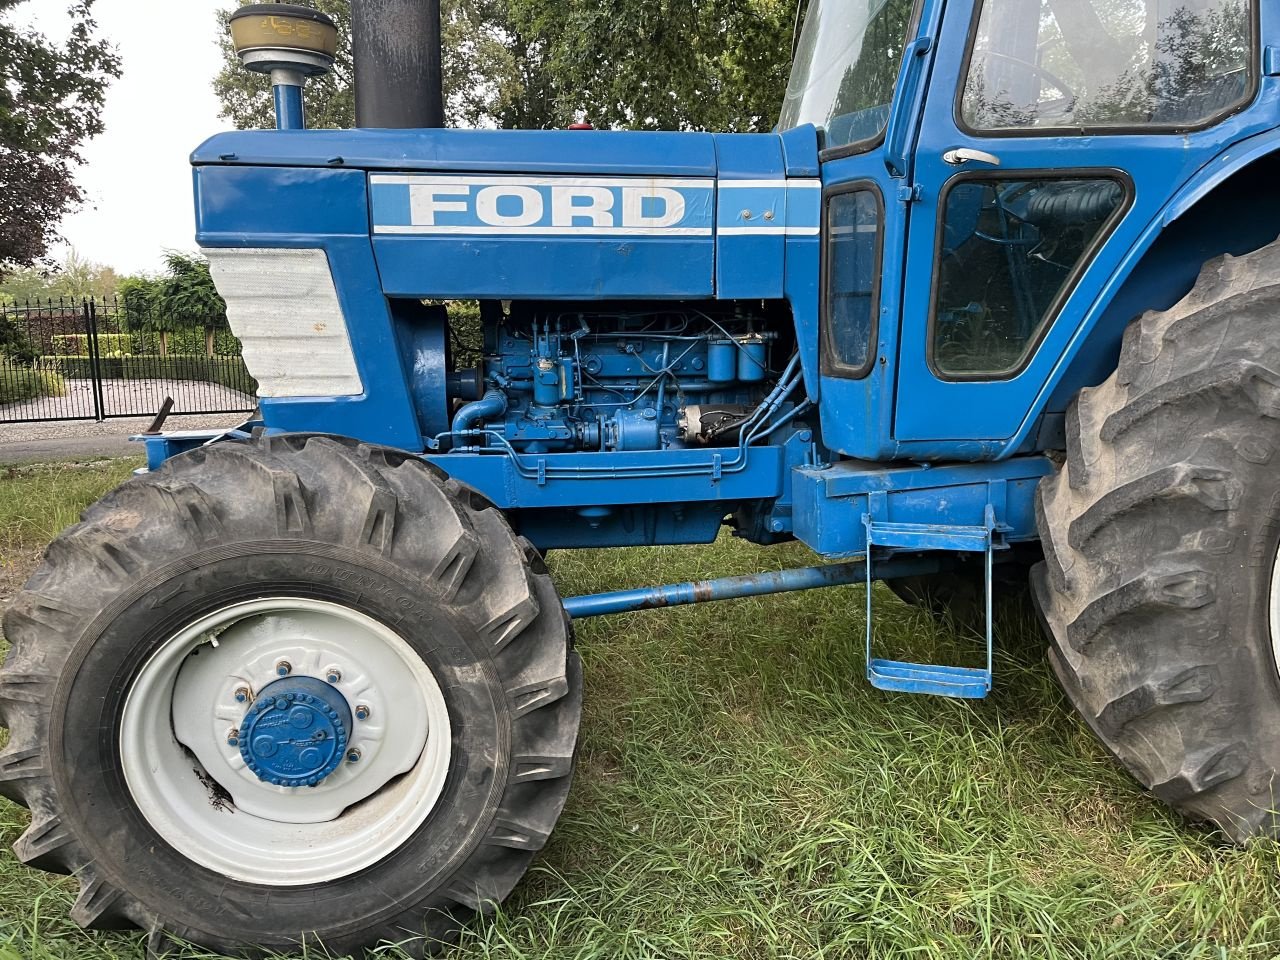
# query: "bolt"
{"type": "Point", "coordinates": [233, 737]}
{"type": "Point", "coordinates": [283, 668]}
{"type": "Point", "coordinates": [768, 214]}
{"type": "Point", "coordinates": [776, 526]}
{"type": "Point", "coordinates": [805, 436]}
{"type": "Point", "coordinates": [353, 755]}
{"type": "Point", "coordinates": [332, 674]}
{"type": "Point", "coordinates": [745, 215]}
{"type": "Point", "coordinates": [362, 712]}
{"type": "Point", "coordinates": [242, 694]}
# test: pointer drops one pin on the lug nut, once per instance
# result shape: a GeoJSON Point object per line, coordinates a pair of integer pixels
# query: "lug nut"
{"type": "Point", "coordinates": [353, 755]}
{"type": "Point", "coordinates": [362, 712]}
{"type": "Point", "coordinates": [332, 674]}
{"type": "Point", "coordinates": [233, 737]}
{"type": "Point", "coordinates": [283, 668]}
{"type": "Point", "coordinates": [242, 694]}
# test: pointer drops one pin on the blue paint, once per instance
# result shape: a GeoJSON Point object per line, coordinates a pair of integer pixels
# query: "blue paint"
{"type": "Point", "coordinates": [296, 732]}
{"type": "Point", "coordinates": [722, 361]}
{"type": "Point", "coordinates": [288, 104]}
{"type": "Point", "coordinates": [967, 683]}
{"type": "Point", "coordinates": [831, 501]}
{"type": "Point", "coordinates": [602, 153]}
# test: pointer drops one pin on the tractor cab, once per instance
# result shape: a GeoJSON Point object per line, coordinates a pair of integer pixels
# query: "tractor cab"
{"type": "Point", "coordinates": [989, 169]}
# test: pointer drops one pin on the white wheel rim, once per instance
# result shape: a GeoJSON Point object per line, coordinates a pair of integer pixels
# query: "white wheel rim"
{"type": "Point", "coordinates": [183, 703]}
{"type": "Point", "coordinates": [1274, 610]}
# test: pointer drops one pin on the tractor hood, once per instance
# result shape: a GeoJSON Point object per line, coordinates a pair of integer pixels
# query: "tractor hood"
{"type": "Point", "coordinates": [523, 214]}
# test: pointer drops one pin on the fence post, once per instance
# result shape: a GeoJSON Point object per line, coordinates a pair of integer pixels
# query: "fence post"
{"type": "Point", "coordinates": [95, 368]}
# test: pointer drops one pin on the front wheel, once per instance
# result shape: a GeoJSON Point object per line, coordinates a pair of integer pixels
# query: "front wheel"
{"type": "Point", "coordinates": [289, 691]}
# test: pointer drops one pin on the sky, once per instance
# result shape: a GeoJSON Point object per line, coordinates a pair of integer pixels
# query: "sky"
{"type": "Point", "coordinates": [137, 175]}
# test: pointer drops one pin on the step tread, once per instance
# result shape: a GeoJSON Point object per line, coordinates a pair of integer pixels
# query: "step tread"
{"type": "Point", "coordinates": [969, 683]}
{"type": "Point", "coordinates": [937, 536]}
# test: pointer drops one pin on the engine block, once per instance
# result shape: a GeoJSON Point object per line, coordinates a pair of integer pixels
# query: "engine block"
{"type": "Point", "coordinates": [574, 377]}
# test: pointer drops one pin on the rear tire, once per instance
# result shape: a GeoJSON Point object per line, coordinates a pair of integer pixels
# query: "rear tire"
{"type": "Point", "coordinates": [362, 533]}
{"type": "Point", "coordinates": [1160, 537]}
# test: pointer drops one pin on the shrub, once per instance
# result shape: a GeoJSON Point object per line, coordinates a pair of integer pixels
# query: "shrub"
{"type": "Point", "coordinates": [109, 344]}
{"type": "Point", "coordinates": [15, 345]}
{"type": "Point", "coordinates": [26, 383]}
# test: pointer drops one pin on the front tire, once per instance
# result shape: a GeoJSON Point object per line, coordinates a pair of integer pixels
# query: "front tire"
{"type": "Point", "coordinates": [1160, 535]}
{"type": "Point", "coordinates": [397, 604]}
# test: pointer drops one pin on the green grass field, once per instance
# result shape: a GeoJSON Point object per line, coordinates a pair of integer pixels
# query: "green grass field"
{"type": "Point", "coordinates": [742, 792]}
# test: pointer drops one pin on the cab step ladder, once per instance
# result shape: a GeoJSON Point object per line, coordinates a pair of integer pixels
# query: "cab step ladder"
{"type": "Point", "coordinates": [968, 683]}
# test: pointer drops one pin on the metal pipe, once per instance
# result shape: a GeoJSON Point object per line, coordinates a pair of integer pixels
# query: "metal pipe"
{"type": "Point", "coordinates": [286, 88]}
{"type": "Point", "coordinates": [395, 47]}
{"type": "Point", "coordinates": [492, 404]}
{"type": "Point", "coordinates": [751, 585]}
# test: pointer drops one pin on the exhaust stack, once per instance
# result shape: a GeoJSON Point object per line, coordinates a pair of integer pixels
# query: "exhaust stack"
{"type": "Point", "coordinates": [396, 48]}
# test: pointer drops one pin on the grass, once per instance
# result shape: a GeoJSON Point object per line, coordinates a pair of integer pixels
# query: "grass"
{"type": "Point", "coordinates": [741, 792]}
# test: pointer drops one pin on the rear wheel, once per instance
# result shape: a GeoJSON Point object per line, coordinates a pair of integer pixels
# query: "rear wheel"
{"type": "Point", "coordinates": [1160, 589]}
{"type": "Point", "coordinates": [286, 691]}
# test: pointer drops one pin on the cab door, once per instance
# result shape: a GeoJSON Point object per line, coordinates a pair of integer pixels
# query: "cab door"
{"type": "Point", "coordinates": [1052, 134]}
{"type": "Point", "coordinates": [859, 74]}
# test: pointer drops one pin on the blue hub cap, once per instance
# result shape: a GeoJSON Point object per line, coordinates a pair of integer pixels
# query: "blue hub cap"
{"type": "Point", "coordinates": [296, 732]}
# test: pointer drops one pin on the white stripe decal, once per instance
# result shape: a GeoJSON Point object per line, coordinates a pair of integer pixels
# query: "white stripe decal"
{"type": "Point", "coordinates": [551, 231]}
{"type": "Point", "coordinates": [767, 231]}
{"type": "Point", "coordinates": [757, 184]}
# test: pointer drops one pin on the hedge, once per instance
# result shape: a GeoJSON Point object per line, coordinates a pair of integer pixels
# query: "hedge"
{"type": "Point", "coordinates": [181, 342]}
{"type": "Point", "coordinates": [25, 383]}
{"type": "Point", "coordinates": [228, 371]}
{"type": "Point", "coordinates": [77, 344]}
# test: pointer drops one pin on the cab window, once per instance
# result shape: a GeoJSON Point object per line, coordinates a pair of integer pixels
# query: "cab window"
{"type": "Point", "coordinates": [852, 290]}
{"type": "Point", "coordinates": [1097, 64]}
{"type": "Point", "coordinates": [845, 68]}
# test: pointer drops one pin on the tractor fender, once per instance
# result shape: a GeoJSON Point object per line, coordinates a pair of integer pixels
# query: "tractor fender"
{"type": "Point", "coordinates": [1159, 269]}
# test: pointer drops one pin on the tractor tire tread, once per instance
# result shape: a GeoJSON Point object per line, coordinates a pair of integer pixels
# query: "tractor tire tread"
{"type": "Point", "coordinates": [1146, 530]}
{"type": "Point", "coordinates": [301, 487]}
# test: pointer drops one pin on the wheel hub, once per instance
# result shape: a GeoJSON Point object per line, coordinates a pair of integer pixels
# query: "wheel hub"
{"type": "Point", "coordinates": [296, 732]}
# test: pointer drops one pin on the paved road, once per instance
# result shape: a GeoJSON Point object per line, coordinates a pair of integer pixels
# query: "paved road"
{"type": "Point", "coordinates": [28, 442]}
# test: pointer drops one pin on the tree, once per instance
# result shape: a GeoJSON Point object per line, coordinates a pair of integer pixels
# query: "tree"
{"type": "Point", "coordinates": [663, 64]}
{"type": "Point", "coordinates": [51, 98]}
{"type": "Point", "coordinates": [187, 297]}
{"type": "Point", "coordinates": [137, 297]}
{"type": "Point", "coordinates": [183, 297]}
{"type": "Point", "coordinates": [650, 64]}
{"type": "Point", "coordinates": [73, 279]}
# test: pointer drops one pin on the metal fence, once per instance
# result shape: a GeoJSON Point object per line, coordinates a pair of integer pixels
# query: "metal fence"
{"type": "Point", "coordinates": [96, 359]}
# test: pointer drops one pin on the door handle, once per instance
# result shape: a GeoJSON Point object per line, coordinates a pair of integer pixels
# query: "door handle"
{"type": "Point", "coordinates": [962, 155]}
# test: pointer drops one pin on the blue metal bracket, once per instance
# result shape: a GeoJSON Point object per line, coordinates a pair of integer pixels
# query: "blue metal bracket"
{"type": "Point", "coordinates": [967, 683]}
{"type": "Point", "coordinates": [1271, 61]}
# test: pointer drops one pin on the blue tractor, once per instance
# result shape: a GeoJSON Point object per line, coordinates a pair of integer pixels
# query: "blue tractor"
{"type": "Point", "coordinates": [996, 304]}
